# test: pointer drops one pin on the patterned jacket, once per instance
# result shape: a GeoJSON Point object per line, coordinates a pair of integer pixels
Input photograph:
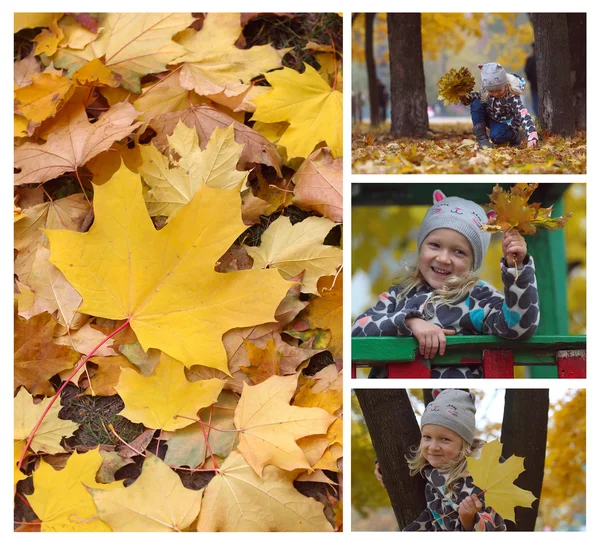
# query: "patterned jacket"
{"type": "Point", "coordinates": [441, 513]}
{"type": "Point", "coordinates": [509, 110]}
{"type": "Point", "coordinates": [512, 315]}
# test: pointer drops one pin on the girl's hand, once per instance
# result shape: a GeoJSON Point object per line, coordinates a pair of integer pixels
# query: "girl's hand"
{"type": "Point", "coordinates": [514, 248]}
{"type": "Point", "coordinates": [532, 143]}
{"type": "Point", "coordinates": [378, 474]}
{"type": "Point", "coordinates": [467, 510]}
{"type": "Point", "coordinates": [431, 338]}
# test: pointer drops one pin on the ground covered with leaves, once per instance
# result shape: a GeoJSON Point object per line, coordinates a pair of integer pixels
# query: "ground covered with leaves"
{"type": "Point", "coordinates": [451, 148]}
{"type": "Point", "coordinates": [178, 272]}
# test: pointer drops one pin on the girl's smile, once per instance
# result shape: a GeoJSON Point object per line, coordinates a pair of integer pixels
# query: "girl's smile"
{"type": "Point", "coordinates": [444, 252]}
{"type": "Point", "coordinates": [440, 445]}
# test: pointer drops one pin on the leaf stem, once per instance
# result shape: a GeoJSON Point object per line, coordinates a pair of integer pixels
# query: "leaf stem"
{"type": "Point", "coordinates": [23, 499]}
{"type": "Point", "coordinates": [62, 388]}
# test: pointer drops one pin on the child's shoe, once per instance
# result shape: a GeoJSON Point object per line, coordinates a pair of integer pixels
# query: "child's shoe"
{"type": "Point", "coordinates": [516, 140]}
{"type": "Point", "coordinates": [481, 135]}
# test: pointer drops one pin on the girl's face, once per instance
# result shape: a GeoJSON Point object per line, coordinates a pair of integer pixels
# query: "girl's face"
{"type": "Point", "coordinates": [444, 252]}
{"type": "Point", "coordinates": [440, 445]}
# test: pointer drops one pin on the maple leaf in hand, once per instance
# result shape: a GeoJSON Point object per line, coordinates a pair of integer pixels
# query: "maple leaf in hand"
{"type": "Point", "coordinates": [496, 480]}
{"type": "Point", "coordinates": [512, 211]}
{"type": "Point", "coordinates": [455, 85]}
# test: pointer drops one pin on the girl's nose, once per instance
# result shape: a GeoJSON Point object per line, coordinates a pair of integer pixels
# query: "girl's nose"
{"type": "Point", "coordinates": [444, 256]}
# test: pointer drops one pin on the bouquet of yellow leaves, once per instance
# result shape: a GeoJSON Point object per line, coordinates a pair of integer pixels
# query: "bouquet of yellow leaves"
{"type": "Point", "coordinates": [512, 211]}
{"type": "Point", "coordinates": [455, 85]}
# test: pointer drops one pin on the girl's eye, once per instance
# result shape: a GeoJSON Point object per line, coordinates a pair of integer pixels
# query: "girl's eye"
{"type": "Point", "coordinates": [460, 252]}
{"type": "Point", "coordinates": [434, 245]}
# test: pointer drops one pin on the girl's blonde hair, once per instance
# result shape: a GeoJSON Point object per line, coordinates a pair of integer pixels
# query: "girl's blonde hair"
{"type": "Point", "coordinates": [454, 290]}
{"type": "Point", "coordinates": [513, 87]}
{"type": "Point", "coordinates": [454, 470]}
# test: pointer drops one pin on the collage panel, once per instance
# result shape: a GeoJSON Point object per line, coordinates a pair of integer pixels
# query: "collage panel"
{"type": "Point", "coordinates": [445, 459]}
{"type": "Point", "coordinates": [462, 93]}
{"type": "Point", "coordinates": [178, 295]}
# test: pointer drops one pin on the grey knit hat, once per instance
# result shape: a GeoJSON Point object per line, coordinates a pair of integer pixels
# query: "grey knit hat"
{"type": "Point", "coordinates": [452, 409]}
{"type": "Point", "coordinates": [493, 76]}
{"type": "Point", "coordinates": [460, 215]}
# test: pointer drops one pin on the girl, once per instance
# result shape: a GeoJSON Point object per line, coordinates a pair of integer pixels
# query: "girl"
{"type": "Point", "coordinates": [442, 294]}
{"type": "Point", "coordinates": [499, 107]}
{"type": "Point", "coordinates": [454, 503]}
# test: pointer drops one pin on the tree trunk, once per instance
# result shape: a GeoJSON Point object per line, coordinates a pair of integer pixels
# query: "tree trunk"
{"type": "Point", "coordinates": [524, 432]}
{"type": "Point", "coordinates": [577, 51]}
{"type": "Point", "coordinates": [371, 70]}
{"type": "Point", "coordinates": [407, 77]}
{"type": "Point", "coordinates": [553, 72]}
{"type": "Point", "coordinates": [394, 430]}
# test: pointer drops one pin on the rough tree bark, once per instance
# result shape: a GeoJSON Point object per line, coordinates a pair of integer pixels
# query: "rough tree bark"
{"type": "Point", "coordinates": [524, 432]}
{"type": "Point", "coordinates": [407, 77]}
{"type": "Point", "coordinates": [576, 23]}
{"type": "Point", "coordinates": [394, 430]}
{"type": "Point", "coordinates": [553, 72]}
{"type": "Point", "coordinates": [371, 69]}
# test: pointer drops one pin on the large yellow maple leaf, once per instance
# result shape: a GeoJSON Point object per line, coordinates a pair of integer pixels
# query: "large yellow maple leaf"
{"type": "Point", "coordinates": [310, 106]}
{"type": "Point", "coordinates": [73, 144]}
{"type": "Point", "coordinates": [158, 400]}
{"type": "Point", "coordinates": [174, 183]}
{"type": "Point", "coordinates": [296, 248]}
{"type": "Point", "coordinates": [237, 499]}
{"type": "Point", "coordinates": [496, 480]}
{"type": "Point", "coordinates": [156, 502]}
{"type": "Point", "coordinates": [214, 65]}
{"type": "Point", "coordinates": [51, 431]}
{"type": "Point", "coordinates": [269, 426]}
{"type": "Point", "coordinates": [164, 281]}
{"type": "Point", "coordinates": [60, 498]}
{"type": "Point", "coordinates": [43, 97]}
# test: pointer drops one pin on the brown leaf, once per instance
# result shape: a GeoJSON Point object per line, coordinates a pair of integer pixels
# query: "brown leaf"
{"type": "Point", "coordinates": [107, 375]}
{"type": "Point", "coordinates": [235, 259]}
{"type": "Point", "coordinates": [139, 444]}
{"type": "Point", "coordinates": [24, 69]}
{"type": "Point", "coordinates": [264, 362]}
{"type": "Point", "coordinates": [37, 357]}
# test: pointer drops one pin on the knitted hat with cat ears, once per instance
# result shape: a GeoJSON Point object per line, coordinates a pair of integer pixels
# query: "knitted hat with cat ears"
{"type": "Point", "coordinates": [460, 215]}
{"type": "Point", "coordinates": [454, 410]}
{"type": "Point", "coordinates": [493, 76]}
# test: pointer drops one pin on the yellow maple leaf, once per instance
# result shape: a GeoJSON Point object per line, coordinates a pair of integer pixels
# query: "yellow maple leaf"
{"type": "Point", "coordinates": [60, 498]}
{"type": "Point", "coordinates": [18, 447]}
{"type": "Point", "coordinates": [263, 362]}
{"type": "Point", "coordinates": [43, 97]}
{"type": "Point", "coordinates": [74, 144]}
{"type": "Point", "coordinates": [237, 499]}
{"type": "Point", "coordinates": [513, 211]}
{"type": "Point", "coordinates": [174, 183]}
{"type": "Point", "coordinates": [34, 20]}
{"type": "Point", "coordinates": [296, 248]}
{"type": "Point", "coordinates": [322, 390]}
{"type": "Point", "coordinates": [496, 480]}
{"type": "Point", "coordinates": [312, 109]}
{"type": "Point", "coordinates": [132, 44]}
{"type": "Point", "coordinates": [158, 400]}
{"type": "Point", "coordinates": [269, 426]}
{"type": "Point", "coordinates": [95, 74]}
{"type": "Point", "coordinates": [48, 40]}
{"type": "Point", "coordinates": [164, 281]}
{"type": "Point", "coordinates": [156, 502]}
{"type": "Point", "coordinates": [455, 85]}
{"type": "Point", "coordinates": [52, 430]}
{"type": "Point", "coordinates": [214, 65]}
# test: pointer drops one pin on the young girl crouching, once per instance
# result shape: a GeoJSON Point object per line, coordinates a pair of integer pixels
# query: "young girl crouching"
{"type": "Point", "coordinates": [454, 503]}
{"type": "Point", "coordinates": [442, 295]}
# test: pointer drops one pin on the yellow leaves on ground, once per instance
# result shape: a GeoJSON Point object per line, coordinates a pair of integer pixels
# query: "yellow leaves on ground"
{"type": "Point", "coordinates": [52, 430]}
{"type": "Point", "coordinates": [514, 211]}
{"type": "Point", "coordinates": [323, 390]}
{"type": "Point", "coordinates": [237, 499]}
{"type": "Point", "coordinates": [312, 109]}
{"type": "Point", "coordinates": [296, 248]}
{"type": "Point", "coordinates": [95, 74]}
{"type": "Point", "coordinates": [173, 183]}
{"type": "Point", "coordinates": [496, 480]}
{"type": "Point", "coordinates": [156, 502]}
{"type": "Point", "coordinates": [270, 426]}
{"type": "Point", "coordinates": [319, 184]}
{"type": "Point", "coordinates": [74, 144]}
{"type": "Point", "coordinates": [455, 85]}
{"type": "Point", "coordinates": [163, 400]}
{"type": "Point", "coordinates": [164, 281]}
{"type": "Point", "coordinates": [43, 97]}
{"type": "Point", "coordinates": [214, 65]}
{"type": "Point", "coordinates": [61, 499]}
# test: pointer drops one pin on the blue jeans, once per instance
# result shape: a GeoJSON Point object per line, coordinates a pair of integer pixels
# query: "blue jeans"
{"type": "Point", "coordinates": [499, 132]}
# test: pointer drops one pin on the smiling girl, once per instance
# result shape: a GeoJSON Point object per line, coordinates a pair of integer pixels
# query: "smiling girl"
{"type": "Point", "coordinates": [442, 294]}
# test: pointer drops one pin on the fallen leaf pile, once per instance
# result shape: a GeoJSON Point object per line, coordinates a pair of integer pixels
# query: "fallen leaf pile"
{"type": "Point", "coordinates": [178, 281]}
{"type": "Point", "coordinates": [451, 148]}
{"type": "Point", "coordinates": [496, 479]}
{"type": "Point", "coordinates": [513, 211]}
{"type": "Point", "coordinates": [455, 85]}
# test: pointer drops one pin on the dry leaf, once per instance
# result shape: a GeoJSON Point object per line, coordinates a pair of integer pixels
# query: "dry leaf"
{"type": "Point", "coordinates": [455, 85]}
